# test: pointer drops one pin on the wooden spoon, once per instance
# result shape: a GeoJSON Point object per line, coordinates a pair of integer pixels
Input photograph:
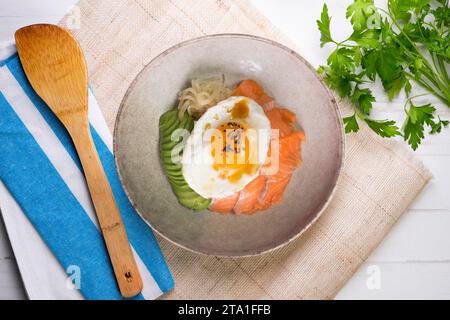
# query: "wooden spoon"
{"type": "Point", "coordinates": [56, 68]}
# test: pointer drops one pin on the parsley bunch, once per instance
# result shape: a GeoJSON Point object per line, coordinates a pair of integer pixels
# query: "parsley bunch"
{"type": "Point", "coordinates": [408, 42]}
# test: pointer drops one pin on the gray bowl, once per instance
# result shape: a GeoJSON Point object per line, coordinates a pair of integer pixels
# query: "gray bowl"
{"type": "Point", "coordinates": [291, 81]}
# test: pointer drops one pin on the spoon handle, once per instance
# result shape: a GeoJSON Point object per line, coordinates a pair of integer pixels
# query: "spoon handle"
{"type": "Point", "coordinates": [110, 221]}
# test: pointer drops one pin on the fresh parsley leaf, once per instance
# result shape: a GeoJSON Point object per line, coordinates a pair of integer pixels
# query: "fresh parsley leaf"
{"type": "Point", "coordinates": [342, 82]}
{"type": "Point", "coordinates": [437, 127]}
{"type": "Point", "coordinates": [324, 26]}
{"type": "Point", "coordinates": [418, 117]}
{"type": "Point", "coordinates": [351, 125]}
{"type": "Point", "coordinates": [394, 87]}
{"type": "Point", "coordinates": [369, 63]}
{"type": "Point", "coordinates": [408, 88]}
{"type": "Point", "coordinates": [418, 63]}
{"type": "Point", "coordinates": [423, 114]}
{"type": "Point", "coordinates": [387, 34]}
{"type": "Point", "coordinates": [367, 39]}
{"type": "Point", "coordinates": [358, 12]}
{"type": "Point", "coordinates": [339, 82]}
{"type": "Point", "coordinates": [363, 99]}
{"type": "Point", "coordinates": [357, 56]}
{"type": "Point", "coordinates": [384, 128]}
{"type": "Point", "coordinates": [409, 43]}
{"type": "Point", "coordinates": [400, 9]}
{"type": "Point", "coordinates": [322, 70]}
{"type": "Point", "coordinates": [384, 62]}
{"type": "Point", "coordinates": [342, 59]}
{"type": "Point", "coordinates": [442, 15]}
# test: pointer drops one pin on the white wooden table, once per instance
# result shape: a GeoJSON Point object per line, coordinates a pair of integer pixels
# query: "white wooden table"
{"type": "Point", "coordinates": [413, 262]}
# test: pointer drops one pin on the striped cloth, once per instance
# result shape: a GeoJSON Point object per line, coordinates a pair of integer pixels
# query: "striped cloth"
{"type": "Point", "coordinates": [40, 169]}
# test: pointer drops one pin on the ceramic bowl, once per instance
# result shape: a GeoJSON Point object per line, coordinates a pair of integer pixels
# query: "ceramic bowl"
{"type": "Point", "coordinates": [288, 78]}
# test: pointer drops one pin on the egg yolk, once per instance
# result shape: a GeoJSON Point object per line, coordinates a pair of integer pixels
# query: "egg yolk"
{"type": "Point", "coordinates": [240, 110]}
{"type": "Point", "coordinates": [232, 149]}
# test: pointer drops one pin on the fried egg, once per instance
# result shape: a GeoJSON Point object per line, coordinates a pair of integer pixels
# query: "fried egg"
{"type": "Point", "coordinates": [226, 148]}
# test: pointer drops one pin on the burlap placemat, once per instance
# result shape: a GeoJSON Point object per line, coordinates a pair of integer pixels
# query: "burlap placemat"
{"type": "Point", "coordinates": [379, 182]}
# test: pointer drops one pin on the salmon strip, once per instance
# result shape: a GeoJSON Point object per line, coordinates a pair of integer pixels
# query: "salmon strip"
{"type": "Point", "coordinates": [273, 193]}
{"type": "Point", "coordinates": [288, 115]}
{"type": "Point", "coordinates": [224, 205]}
{"type": "Point", "coordinates": [268, 188]}
{"type": "Point", "coordinates": [281, 119]}
{"type": "Point", "coordinates": [288, 159]}
{"type": "Point", "coordinates": [251, 89]}
{"type": "Point", "coordinates": [249, 196]}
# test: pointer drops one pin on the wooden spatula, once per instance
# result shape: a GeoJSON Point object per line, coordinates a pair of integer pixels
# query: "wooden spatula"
{"type": "Point", "coordinates": [56, 69]}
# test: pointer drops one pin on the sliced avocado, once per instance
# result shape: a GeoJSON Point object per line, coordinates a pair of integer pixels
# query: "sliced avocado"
{"type": "Point", "coordinates": [175, 174]}
{"type": "Point", "coordinates": [169, 145]}
{"type": "Point", "coordinates": [171, 120]}
{"type": "Point", "coordinates": [185, 194]}
{"type": "Point", "coordinates": [175, 179]}
{"type": "Point", "coordinates": [170, 166]}
{"type": "Point", "coordinates": [167, 133]}
{"type": "Point", "coordinates": [201, 204]}
{"type": "Point", "coordinates": [184, 121]}
{"type": "Point", "coordinates": [181, 187]}
{"type": "Point", "coordinates": [197, 203]}
{"type": "Point", "coordinates": [168, 123]}
{"type": "Point", "coordinates": [189, 126]}
{"type": "Point", "coordinates": [166, 155]}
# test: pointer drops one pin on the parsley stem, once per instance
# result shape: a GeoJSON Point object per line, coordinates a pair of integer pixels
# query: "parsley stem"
{"type": "Point", "coordinates": [360, 115]}
{"type": "Point", "coordinates": [443, 69]}
{"type": "Point", "coordinates": [437, 83]}
{"type": "Point", "coordinates": [346, 45]}
{"type": "Point", "coordinates": [425, 85]}
{"type": "Point", "coordinates": [435, 63]}
{"type": "Point", "coordinates": [343, 44]}
{"type": "Point", "coordinates": [413, 97]}
{"type": "Point", "coordinates": [430, 77]}
{"type": "Point", "coordinates": [414, 55]}
{"type": "Point", "coordinates": [427, 74]}
{"type": "Point", "coordinates": [413, 44]}
{"type": "Point", "coordinates": [389, 13]}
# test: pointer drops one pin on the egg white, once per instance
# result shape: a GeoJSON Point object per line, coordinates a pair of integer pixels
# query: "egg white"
{"type": "Point", "coordinates": [197, 161]}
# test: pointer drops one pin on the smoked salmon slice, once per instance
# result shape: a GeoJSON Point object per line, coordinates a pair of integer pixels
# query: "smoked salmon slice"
{"type": "Point", "coordinates": [288, 158]}
{"type": "Point", "coordinates": [273, 193]}
{"type": "Point", "coordinates": [249, 196]}
{"type": "Point", "coordinates": [281, 119]}
{"type": "Point", "coordinates": [267, 189]}
{"type": "Point", "coordinates": [224, 205]}
{"type": "Point", "coordinates": [251, 89]}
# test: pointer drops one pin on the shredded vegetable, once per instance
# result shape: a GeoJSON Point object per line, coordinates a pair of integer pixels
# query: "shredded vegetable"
{"type": "Point", "coordinates": [202, 95]}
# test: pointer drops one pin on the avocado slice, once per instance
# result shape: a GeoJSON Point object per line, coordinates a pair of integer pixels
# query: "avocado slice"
{"type": "Point", "coordinates": [168, 123]}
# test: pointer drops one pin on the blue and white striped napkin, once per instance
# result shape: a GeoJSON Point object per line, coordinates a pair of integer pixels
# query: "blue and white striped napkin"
{"type": "Point", "coordinates": [43, 181]}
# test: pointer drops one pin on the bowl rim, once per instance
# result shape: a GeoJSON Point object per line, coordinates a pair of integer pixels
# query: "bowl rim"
{"type": "Point", "coordinates": [248, 37]}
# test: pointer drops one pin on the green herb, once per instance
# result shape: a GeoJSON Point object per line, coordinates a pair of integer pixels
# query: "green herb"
{"type": "Point", "coordinates": [407, 43]}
